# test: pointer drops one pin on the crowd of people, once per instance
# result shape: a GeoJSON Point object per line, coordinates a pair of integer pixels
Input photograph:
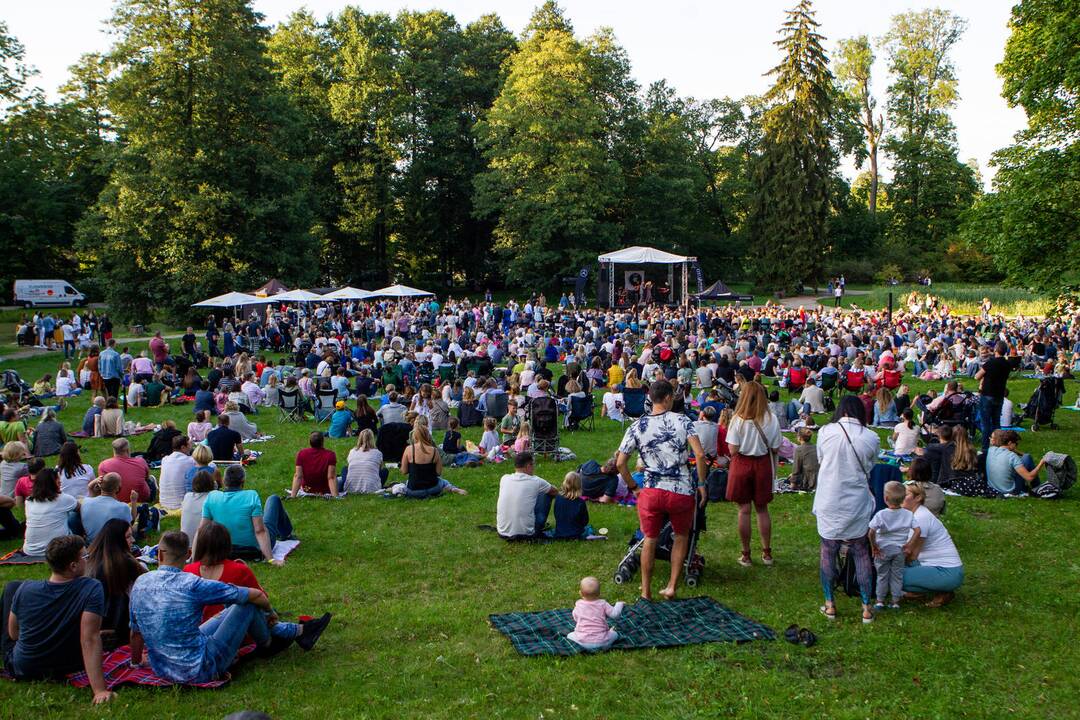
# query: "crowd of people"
{"type": "Point", "coordinates": [701, 392]}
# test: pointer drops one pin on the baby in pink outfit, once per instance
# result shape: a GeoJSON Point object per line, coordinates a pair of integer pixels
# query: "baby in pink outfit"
{"type": "Point", "coordinates": [591, 613]}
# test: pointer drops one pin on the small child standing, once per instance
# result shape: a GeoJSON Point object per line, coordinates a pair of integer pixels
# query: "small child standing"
{"type": "Point", "coordinates": [490, 439]}
{"type": "Point", "coordinates": [571, 512]}
{"type": "Point", "coordinates": [889, 530]}
{"type": "Point", "coordinates": [523, 440]}
{"type": "Point", "coordinates": [590, 615]}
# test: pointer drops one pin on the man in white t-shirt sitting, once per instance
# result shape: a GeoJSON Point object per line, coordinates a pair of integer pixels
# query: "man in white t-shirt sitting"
{"type": "Point", "coordinates": [524, 501]}
{"type": "Point", "coordinates": [612, 403]}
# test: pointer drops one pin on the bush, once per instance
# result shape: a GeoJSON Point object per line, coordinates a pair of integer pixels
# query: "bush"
{"type": "Point", "coordinates": [888, 274]}
{"type": "Point", "coordinates": [854, 270]}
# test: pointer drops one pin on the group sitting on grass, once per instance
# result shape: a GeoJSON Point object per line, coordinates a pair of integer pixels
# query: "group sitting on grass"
{"type": "Point", "coordinates": [692, 390]}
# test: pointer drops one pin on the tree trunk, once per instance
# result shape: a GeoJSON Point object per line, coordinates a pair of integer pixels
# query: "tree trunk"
{"type": "Point", "coordinates": [873, 177]}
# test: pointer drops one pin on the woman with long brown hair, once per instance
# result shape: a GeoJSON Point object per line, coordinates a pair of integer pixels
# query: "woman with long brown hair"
{"type": "Point", "coordinates": [111, 561]}
{"type": "Point", "coordinates": [753, 438]}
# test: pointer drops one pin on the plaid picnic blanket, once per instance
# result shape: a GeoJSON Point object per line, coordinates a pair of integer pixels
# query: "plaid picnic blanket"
{"type": "Point", "coordinates": [18, 557]}
{"type": "Point", "coordinates": [119, 672]}
{"type": "Point", "coordinates": [641, 625]}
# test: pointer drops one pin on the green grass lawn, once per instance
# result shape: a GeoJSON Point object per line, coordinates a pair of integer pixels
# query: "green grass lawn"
{"type": "Point", "coordinates": [411, 584]}
{"type": "Point", "coordinates": [962, 298]}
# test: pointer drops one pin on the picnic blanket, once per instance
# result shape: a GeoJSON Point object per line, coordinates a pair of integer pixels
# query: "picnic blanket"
{"type": "Point", "coordinates": [18, 557]}
{"type": "Point", "coordinates": [118, 672]}
{"type": "Point", "coordinates": [642, 625]}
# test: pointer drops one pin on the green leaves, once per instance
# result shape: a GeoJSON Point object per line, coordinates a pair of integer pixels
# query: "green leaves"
{"type": "Point", "coordinates": [793, 173]}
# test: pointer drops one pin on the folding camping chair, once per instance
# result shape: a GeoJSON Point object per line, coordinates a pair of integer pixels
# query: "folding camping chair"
{"type": "Point", "coordinates": [325, 399]}
{"type": "Point", "coordinates": [496, 404]}
{"type": "Point", "coordinates": [633, 403]}
{"type": "Point", "coordinates": [290, 406]}
{"type": "Point", "coordinates": [581, 412]}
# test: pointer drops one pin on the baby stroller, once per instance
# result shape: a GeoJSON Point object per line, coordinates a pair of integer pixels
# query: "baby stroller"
{"type": "Point", "coordinates": [693, 566]}
{"type": "Point", "coordinates": [1044, 401]}
{"type": "Point", "coordinates": [18, 391]}
{"type": "Point", "coordinates": [544, 421]}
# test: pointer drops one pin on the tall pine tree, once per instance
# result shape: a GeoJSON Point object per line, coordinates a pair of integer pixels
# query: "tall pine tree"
{"type": "Point", "coordinates": [793, 173]}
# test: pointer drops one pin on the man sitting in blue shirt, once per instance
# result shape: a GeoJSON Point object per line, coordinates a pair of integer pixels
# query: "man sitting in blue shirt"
{"type": "Point", "coordinates": [166, 619]}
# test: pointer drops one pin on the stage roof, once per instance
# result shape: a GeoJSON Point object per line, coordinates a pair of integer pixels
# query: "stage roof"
{"type": "Point", "coordinates": [639, 254]}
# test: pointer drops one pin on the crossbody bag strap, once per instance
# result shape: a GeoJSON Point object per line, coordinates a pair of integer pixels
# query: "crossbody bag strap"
{"type": "Point", "coordinates": [858, 459]}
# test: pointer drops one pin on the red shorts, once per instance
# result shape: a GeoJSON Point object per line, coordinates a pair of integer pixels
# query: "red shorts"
{"type": "Point", "coordinates": [750, 479]}
{"type": "Point", "coordinates": [655, 507]}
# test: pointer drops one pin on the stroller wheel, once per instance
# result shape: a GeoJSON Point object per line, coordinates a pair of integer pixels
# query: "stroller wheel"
{"type": "Point", "coordinates": [619, 578]}
{"type": "Point", "coordinates": [691, 580]}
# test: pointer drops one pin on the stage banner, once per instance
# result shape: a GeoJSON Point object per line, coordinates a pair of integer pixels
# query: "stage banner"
{"type": "Point", "coordinates": [579, 286]}
{"type": "Point", "coordinates": [700, 276]}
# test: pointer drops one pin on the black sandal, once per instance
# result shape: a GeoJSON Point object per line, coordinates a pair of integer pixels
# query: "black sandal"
{"type": "Point", "coordinates": [807, 638]}
{"type": "Point", "coordinates": [792, 634]}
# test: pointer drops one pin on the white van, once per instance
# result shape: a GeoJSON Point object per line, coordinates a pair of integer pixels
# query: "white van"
{"type": "Point", "coordinates": [41, 293]}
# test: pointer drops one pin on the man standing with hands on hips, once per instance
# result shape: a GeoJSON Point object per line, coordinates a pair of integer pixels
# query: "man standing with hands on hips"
{"type": "Point", "coordinates": [663, 440]}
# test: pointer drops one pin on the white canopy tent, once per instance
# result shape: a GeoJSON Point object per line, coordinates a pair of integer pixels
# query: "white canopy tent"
{"type": "Point", "coordinates": [641, 255]}
{"type": "Point", "coordinates": [295, 296]}
{"type": "Point", "coordinates": [400, 291]}
{"type": "Point", "coordinates": [347, 293]}
{"type": "Point", "coordinates": [233, 299]}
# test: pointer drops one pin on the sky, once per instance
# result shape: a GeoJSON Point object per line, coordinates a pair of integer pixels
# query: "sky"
{"type": "Point", "coordinates": [709, 48]}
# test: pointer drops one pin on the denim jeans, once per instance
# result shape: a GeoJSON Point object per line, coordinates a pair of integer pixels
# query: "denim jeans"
{"type": "Point", "coordinates": [990, 417]}
{"type": "Point", "coordinates": [226, 631]}
{"type": "Point", "coordinates": [277, 521]}
{"type": "Point", "coordinates": [927, 578]}
{"type": "Point", "coordinates": [541, 510]}
{"type": "Point", "coordinates": [442, 486]}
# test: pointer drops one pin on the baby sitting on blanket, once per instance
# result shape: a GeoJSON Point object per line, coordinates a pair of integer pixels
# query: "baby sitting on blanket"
{"type": "Point", "coordinates": [591, 613]}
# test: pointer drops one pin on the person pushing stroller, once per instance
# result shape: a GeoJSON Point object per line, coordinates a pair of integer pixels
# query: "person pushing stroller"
{"type": "Point", "coordinates": [663, 440]}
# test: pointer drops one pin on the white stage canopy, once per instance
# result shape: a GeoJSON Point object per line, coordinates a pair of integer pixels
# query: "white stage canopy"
{"type": "Point", "coordinates": [400, 291]}
{"type": "Point", "coordinates": [347, 293]}
{"type": "Point", "coordinates": [295, 296]}
{"type": "Point", "coordinates": [234, 299]}
{"type": "Point", "coordinates": [638, 255]}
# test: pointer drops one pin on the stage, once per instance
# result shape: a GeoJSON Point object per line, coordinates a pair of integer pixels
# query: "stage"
{"type": "Point", "coordinates": [639, 275]}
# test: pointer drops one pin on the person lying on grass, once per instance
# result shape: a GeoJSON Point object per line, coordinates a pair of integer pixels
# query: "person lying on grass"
{"type": "Point", "coordinates": [53, 627]}
{"type": "Point", "coordinates": [167, 620]}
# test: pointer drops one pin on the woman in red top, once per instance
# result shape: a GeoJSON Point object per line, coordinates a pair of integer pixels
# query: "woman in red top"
{"type": "Point", "coordinates": [213, 563]}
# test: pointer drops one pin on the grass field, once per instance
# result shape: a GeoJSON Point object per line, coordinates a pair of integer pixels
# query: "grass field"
{"type": "Point", "coordinates": [963, 299]}
{"type": "Point", "coordinates": [411, 584]}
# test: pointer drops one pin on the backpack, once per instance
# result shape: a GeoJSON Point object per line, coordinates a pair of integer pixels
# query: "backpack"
{"type": "Point", "coordinates": [849, 579]}
{"type": "Point", "coordinates": [716, 485]}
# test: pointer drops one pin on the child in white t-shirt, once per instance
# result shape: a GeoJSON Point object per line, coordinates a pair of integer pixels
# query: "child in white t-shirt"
{"type": "Point", "coordinates": [889, 530]}
{"type": "Point", "coordinates": [490, 439]}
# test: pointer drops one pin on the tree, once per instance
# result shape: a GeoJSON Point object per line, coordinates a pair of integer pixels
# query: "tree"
{"type": "Point", "coordinates": [1031, 223]}
{"type": "Point", "coordinates": [551, 181]}
{"type": "Point", "coordinates": [855, 58]}
{"type": "Point", "coordinates": [13, 70]}
{"type": "Point", "coordinates": [793, 173]}
{"type": "Point", "coordinates": [207, 192]}
{"type": "Point", "coordinates": [931, 188]}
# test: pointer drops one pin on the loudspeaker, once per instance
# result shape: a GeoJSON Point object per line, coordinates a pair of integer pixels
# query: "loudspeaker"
{"type": "Point", "coordinates": [602, 289]}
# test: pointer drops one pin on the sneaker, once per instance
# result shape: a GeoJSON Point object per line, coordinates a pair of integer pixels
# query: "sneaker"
{"type": "Point", "coordinates": [895, 606]}
{"type": "Point", "coordinates": [879, 606]}
{"type": "Point", "coordinates": [312, 630]}
{"type": "Point", "coordinates": [744, 560]}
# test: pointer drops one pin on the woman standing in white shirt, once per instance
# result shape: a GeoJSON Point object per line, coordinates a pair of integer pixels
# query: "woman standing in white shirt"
{"type": "Point", "coordinates": [753, 439]}
{"type": "Point", "coordinates": [843, 504]}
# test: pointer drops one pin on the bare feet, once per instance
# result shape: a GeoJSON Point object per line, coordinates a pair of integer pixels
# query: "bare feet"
{"type": "Point", "coordinates": [668, 593]}
{"type": "Point", "coordinates": [606, 499]}
{"type": "Point", "coordinates": [941, 599]}
{"type": "Point", "coordinates": [461, 491]}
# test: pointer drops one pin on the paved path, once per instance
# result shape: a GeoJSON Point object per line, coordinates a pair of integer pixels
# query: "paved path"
{"type": "Point", "coordinates": [38, 352]}
{"type": "Point", "coordinates": [811, 301]}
